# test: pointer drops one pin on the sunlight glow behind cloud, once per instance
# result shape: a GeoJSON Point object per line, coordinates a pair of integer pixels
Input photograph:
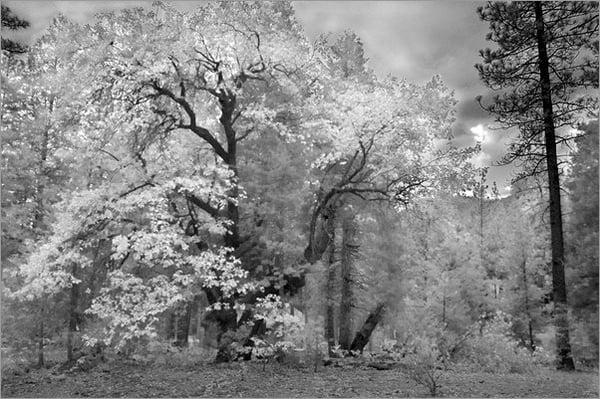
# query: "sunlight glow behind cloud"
{"type": "Point", "coordinates": [480, 132]}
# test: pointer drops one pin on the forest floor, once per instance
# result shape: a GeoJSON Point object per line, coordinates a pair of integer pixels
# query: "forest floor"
{"type": "Point", "coordinates": [250, 380]}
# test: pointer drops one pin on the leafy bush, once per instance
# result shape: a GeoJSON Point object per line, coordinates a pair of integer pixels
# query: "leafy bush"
{"type": "Point", "coordinates": [164, 353]}
{"type": "Point", "coordinates": [13, 363]}
{"type": "Point", "coordinates": [495, 350]}
{"type": "Point", "coordinates": [284, 330]}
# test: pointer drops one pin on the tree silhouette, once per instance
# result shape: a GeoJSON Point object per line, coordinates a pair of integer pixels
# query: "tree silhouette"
{"type": "Point", "coordinates": [12, 22]}
{"type": "Point", "coordinates": [545, 70]}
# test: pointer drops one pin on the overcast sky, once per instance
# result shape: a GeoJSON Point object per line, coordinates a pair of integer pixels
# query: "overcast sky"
{"type": "Point", "coordinates": [411, 39]}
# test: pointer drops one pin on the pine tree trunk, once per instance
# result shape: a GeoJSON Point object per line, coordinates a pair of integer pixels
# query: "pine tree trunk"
{"type": "Point", "coordinates": [563, 346]}
{"type": "Point", "coordinates": [330, 285]}
{"type": "Point", "coordinates": [362, 337]}
{"type": "Point", "coordinates": [349, 247]}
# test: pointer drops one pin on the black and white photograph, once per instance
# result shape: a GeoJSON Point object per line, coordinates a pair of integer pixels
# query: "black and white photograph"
{"type": "Point", "coordinates": [299, 199]}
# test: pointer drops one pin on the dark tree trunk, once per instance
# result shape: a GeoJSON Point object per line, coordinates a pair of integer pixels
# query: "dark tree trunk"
{"type": "Point", "coordinates": [319, 239]}
{"type": "Point", "coordinates": [73, 316]}
{"type": "Point", "coordinates": [41, 341]}
{"type": "Point", "coordinates": [349, 249]}
{"type": "Point", "coordinates": [330, 285]}
{"type": "Point", "coordinates": [228, 103]}
{"type": "Point", "coordinates": [362, 337]}
{"type": "Point", "coordinates": [565, 359]}
{"type": "Point", "coordinates": [258, 328]}
{"type": "Point", "coordinates": [232, 237]}
{"type": "Point", "coordinates": [226, 321]}
{"type": "Point", "coordinates": [318, 233]}
{"type": "Point", "coordinates": [182, 330]}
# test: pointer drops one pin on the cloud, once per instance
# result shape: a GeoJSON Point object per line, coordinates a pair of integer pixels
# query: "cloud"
{"type": "Point", "coordinates": [480, 133]}
{"type": "Point", "coordinates": [493, 146]}
{"type": "Point", "coordinates": [468, 108]}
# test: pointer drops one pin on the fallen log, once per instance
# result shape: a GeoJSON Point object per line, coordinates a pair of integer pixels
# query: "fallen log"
{"type": "Point", "coordinates": [362, 336]}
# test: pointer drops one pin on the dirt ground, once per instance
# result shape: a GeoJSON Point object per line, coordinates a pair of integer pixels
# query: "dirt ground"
{"type": "Point", "coordinates": [250, 380]}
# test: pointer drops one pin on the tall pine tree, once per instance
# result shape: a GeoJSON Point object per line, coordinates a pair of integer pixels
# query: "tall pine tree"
{"type": "Point", "coordinates": [545, 72]}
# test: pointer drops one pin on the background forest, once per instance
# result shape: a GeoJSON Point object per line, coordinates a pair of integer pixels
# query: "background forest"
{"type": "Point", "coordinates": [213, 186]}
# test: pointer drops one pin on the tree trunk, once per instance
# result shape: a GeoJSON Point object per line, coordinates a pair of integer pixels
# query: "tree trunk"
{"type": "Point", "coordinates": [41, 341]}
{"type": "Point", "coordinates": [258, 328]}
{"type": "Point", "coordinates": [226, 321]}
{"type": "Point", "coordinates": [182, 329]}
{"type": "Point", "coordinates": [362, 337]}
{"type": "Point", "coordinates": [73, 316]}
{"type": "Point", "coordinates": [318, 238]}
{"type": "Point", "coordinates": [330, 285]}
{"type": "Point", "coordinates": [232, 237]}
{"type": "Point", "coordinates": [228, 104]}
{"type": "Point", "coordinates": [527, 310]}
{"type": "Point", "coordinates": [202, 302]}
{"type": "Point", "coordinates": [349, 249]}
{"type": "Point", "coordinates": [563, 346]}
{"type": "Point", "coordinates": [170, 327]}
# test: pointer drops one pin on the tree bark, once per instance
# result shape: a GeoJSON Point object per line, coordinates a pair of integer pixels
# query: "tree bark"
{"type": "Point", "coordinates": [362, 337]}
{"type": "Point", "coordinates": [349, 249]}
{"type": "Point", "coordinates": [73, 315]}
{"type": "Point", "coordinates": [182, 329]}
{"type": "Point", "coordinates": [330, 285]}
{"type": "Point", "coordinates": [41, 340]}
{"type": "Point", "coordinates": [563, 346]}
{"type": "Point", "coordinates": [228, 103]}
{"type": "Point", "coordinates": [170, 326]}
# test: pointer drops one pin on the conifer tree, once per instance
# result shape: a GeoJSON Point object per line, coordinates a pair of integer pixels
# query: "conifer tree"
{"type": "Point", "coordinates": [545, 72]}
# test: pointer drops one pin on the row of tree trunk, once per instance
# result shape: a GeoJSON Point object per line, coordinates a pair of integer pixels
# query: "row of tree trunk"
{"type": "Point", "coordinates": [348, 254]}
{"type": "Point", "coordinates": [179, 322]}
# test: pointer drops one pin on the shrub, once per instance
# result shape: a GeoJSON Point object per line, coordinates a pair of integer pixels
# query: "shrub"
{"type": "Point", "coordinates": [284, 331]}
{"type": "Point", "coordinates": [164, 353]}
{"type": "Point", "coordinates": [424, 365]}
{"type": "Point", "coordinates": [13, 363]}
{"type": "Point", "coordinates": [495, 350]}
